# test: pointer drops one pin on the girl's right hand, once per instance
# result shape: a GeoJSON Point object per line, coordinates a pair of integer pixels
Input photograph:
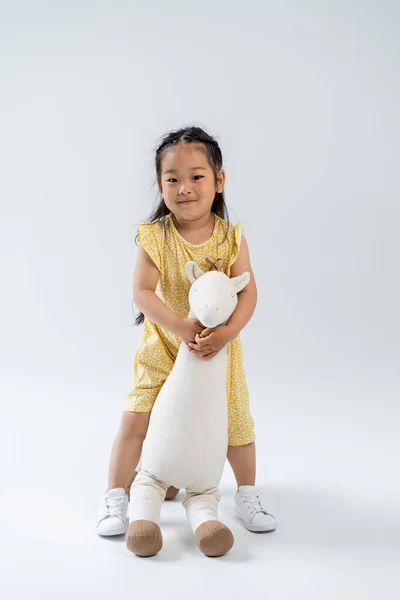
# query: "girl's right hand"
{"type": "Point", "coordinates": [187, 330]}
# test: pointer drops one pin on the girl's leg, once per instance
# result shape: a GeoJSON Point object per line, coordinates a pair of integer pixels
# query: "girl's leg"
{"type": "Point", "coordinates": [249, 503]}
{"type": "Point", "coordinates": [126, 452]}
{"type": "Point", "coordinates": [241, 449]}
{"type": "Point", "coordinates": [127, 448]}
{"type": "Point", "coordinates": [130, 481]}
{"type": "Point", "coordinates": [243, 462]}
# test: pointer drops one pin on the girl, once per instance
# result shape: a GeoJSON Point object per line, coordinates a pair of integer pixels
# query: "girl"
{"type": "Point", "coordinates": [190, 223]}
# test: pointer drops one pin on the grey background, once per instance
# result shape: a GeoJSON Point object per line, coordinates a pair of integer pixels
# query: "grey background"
{"type": "Point", "coordinates": [303, 98]}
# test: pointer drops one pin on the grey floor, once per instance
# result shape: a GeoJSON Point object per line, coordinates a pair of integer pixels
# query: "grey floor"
{"type": "Point", "coordinates": [333, 492]}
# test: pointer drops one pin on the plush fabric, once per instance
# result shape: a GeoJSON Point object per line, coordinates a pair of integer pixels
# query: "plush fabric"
{"type": "Point", "coordinates": [187, 438]}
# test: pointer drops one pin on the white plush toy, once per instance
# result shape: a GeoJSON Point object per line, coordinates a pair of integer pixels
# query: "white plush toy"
{"type": "Point", "coordinates": [187, 437]}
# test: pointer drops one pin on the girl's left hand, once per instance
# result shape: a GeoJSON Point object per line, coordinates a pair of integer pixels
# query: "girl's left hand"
{"type": "Point", "coordinates": [211, 341]}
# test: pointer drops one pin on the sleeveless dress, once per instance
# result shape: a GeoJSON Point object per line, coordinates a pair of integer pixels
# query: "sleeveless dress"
{"type": "Point", "coordinates": [158, 347]}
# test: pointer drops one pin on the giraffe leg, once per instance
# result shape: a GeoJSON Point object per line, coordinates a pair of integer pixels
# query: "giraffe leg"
{"type": "Point", "coordinates": [144, 537]}
{"type": "Point", "coordinates": [213, 538]}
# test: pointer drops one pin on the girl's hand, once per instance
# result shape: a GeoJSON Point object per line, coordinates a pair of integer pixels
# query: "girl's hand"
{"type": "Point", "coordinates": [211, 341]}
{"type": "Point", "coordinates": [188, 329]}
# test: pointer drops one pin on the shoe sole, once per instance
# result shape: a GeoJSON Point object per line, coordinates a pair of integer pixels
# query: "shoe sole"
{"type": "Point", "coordinates": [257, 528]}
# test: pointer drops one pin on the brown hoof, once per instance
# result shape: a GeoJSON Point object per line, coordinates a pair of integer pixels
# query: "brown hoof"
{"type": "Point", "coordinates": [144, 538]}
{"type": "Point", "coordinates": [214, 538]}
{"type": "Point", "coordinates": [172, 493]}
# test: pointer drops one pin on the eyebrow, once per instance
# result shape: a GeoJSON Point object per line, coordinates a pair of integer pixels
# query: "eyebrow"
{"type": "Point", "coordinates": [176, 170]}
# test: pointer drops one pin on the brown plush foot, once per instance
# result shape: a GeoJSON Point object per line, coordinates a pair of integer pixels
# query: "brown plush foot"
{"type": "Point", "coordinates": [172, 493]}
{"type": "Point", "coordinates": [214, 538]}
{"type": "Point", "coordinates": [144, 538]}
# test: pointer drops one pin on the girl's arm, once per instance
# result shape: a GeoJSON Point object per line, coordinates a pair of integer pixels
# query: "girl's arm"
{"type": "Point", "coordinates": [144, 285]}
{"type": "Point", "coordinates": [247, 298]}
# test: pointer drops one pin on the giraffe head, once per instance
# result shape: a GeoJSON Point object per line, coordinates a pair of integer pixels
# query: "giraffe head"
{"type": "Point", "coordinates": [213, 295]}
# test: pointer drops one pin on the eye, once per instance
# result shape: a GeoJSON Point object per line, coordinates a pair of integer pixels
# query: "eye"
{"type": "Point", "coordinates": [199, 176]}
{"type": "Point", "coordinates": [172, 180]}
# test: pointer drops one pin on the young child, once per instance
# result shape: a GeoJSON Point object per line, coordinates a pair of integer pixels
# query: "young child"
{"type": "Point", "coordinates": [190, 223]}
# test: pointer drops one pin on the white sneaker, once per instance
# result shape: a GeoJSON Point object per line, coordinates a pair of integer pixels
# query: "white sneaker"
{"type": "Point", "coordinates": [249, 508]}
{"type": "Point", "coordinates": [112, 517]}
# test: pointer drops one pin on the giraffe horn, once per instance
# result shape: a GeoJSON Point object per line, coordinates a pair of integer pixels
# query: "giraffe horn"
{"type": "Point", "coordinates": [215, 263]}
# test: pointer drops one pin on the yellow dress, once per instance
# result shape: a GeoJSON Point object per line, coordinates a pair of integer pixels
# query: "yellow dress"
{"type": "Point", "coordinates": [158, 347]}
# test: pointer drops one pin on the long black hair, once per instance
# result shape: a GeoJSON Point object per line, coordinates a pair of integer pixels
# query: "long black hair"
{"type": "Point", "coordinates": [188, 135]}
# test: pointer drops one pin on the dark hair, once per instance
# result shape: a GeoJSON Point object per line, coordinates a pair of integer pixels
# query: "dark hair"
{"type": "Point", "coordinates": [188, 135]}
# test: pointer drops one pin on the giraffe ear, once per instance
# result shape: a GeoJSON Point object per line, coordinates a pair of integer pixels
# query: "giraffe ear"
{"type": "Point", "coordinates": [241, 281]}
{"type": "Point", "coordinates": [193, 271]}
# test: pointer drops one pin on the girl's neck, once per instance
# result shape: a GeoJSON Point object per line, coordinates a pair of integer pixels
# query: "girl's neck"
{"type": "Point", "coordinates": [197, 231]}
{"type": "Point", "coordinates": [203, 222]}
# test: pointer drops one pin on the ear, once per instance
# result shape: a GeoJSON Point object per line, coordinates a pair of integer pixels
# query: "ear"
{"type": "Point", "coordinates": [193, 271]}
{"type": "Point", "coordinates": [241, 281]}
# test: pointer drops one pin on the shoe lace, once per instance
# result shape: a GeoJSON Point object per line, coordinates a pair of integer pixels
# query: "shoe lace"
{"type": "Point", "coordinates": [254, 504]}
{"type": "Point", "coordinates": [113, 506]}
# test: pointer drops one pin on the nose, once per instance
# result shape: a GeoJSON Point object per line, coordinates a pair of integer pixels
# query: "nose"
{"type": "Point", "coordinates": [208, 314]}
{"type": "Point", "coordinates": [184, 189]}
{"type": "Point", "coordinates": [212, 305]}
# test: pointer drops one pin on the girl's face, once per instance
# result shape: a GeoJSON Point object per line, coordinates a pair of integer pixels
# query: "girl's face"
{"type": "Point", "coordinates": [187, 181]}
